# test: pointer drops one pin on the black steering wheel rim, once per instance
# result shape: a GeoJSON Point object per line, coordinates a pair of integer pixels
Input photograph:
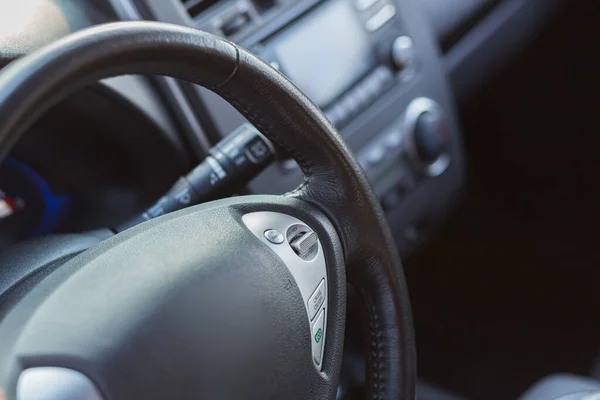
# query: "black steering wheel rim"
{"type": "Point", "coordinates": [334, 182]}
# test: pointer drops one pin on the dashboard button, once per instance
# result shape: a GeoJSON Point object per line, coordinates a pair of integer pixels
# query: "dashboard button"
{"type": "Point", "coordinates": [394, 139]}
{"type": "Point", "coordinates": [381, 18]}
{"type": "Point", "coordinates": [393, 197]}
{"type": "Point", "coordinates": [408, 74]}
{"type": "Point", "coordinates": [428, 137]}
{"type": "Point", "coordinates": [375, 155]}
{"type": "Point", "coordinates": [235, 24]}
{"type": "Point", "coordinates": [335, 115]}
{"type": "Point", "coordinates": [350, 104]}
{"type": "Point", "coordinates": [402, 52]}
{"type": "Point", "coordinates": [377, 82]}
{"type": "Point", "coordinates": [316, 300]}
{"type": "Point", "coordinates": [371, 86]}
{"type": "Point", "coordinates": [384, 78]}
{"type": "Point", "coordinates": [382, 74]}
{"type": "Point", "coordinates": [361, 95]}
{"type": "Point", "coordinates": [274, 236]}
{"type": "Point", "coordinates": [340, 114]}
{"type": "Point", "coordinates": [318, 338]}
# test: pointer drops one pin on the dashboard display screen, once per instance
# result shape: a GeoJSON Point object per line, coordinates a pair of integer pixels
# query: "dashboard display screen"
{"type": "Point", "coordinates": [324, 53]}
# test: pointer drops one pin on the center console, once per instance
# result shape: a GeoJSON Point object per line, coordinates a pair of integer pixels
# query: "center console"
{"type": "Point", "coordinates": [371, 65]}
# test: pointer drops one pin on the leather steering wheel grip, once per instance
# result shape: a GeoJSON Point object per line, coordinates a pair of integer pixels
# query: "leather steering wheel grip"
{"type": "Point", "coordinates": [334, 181]}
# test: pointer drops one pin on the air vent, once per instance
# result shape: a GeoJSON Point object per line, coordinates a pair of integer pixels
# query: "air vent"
{"type": "Point", "coordinates": [196, 7]}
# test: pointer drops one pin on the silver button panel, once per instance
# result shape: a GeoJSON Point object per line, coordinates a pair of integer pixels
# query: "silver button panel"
{"type": "Point", "coordinates": [305, 261]}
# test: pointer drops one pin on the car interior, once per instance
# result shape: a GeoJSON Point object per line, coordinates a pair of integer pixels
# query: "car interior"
{"type": "Point", "coordinates": [299, 199]}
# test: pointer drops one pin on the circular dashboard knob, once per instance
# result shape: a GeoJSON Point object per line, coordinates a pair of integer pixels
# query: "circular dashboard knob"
{"type": "Point", "coordinates": [402, 52]}
{"type": "Point", "coordinates": [430, 142]}
{"type": "Point", "coordinates": [427, 137]}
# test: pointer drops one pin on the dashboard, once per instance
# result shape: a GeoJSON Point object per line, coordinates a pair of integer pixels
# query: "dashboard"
{"type": "Point", "coordinates": [372, 66]}
{"type": "Point", "coordinates": [389, 75]}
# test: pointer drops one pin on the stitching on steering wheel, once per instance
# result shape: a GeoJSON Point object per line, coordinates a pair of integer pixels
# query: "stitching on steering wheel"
{"type": "Point", "coordinates": [375, 344]}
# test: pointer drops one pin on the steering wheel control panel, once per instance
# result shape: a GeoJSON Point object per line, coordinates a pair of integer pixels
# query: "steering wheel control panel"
{"type": "Point", "coordinates": [300, 249]}
{"type": "Point", "coordinates": [374, 69]}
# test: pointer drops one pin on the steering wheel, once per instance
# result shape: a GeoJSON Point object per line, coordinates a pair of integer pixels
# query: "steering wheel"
{"type": "Point", "coordinates": [236, 298]}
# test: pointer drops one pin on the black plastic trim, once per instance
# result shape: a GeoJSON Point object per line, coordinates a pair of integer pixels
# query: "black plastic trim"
{"type": "Point", "coordinates": [494, 41]}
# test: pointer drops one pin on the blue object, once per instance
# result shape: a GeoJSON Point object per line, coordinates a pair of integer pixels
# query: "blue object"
{"type": "Point", "coordinates": [55, 207]}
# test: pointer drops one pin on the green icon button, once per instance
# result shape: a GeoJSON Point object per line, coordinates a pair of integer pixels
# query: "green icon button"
{"type": "Point", "coordinates": [319, 335]}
